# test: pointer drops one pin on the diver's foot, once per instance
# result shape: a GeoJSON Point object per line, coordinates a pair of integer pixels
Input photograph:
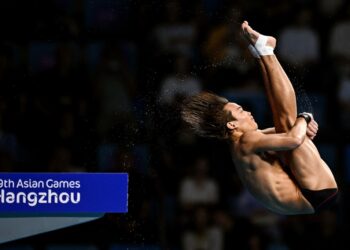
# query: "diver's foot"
{"type": "Point", "coordinates": [263, 44]}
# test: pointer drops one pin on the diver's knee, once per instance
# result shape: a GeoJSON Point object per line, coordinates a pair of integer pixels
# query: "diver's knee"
{"type": "Point", "coordinates": [285, 123]}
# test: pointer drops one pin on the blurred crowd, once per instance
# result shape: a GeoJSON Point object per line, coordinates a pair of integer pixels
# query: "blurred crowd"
{"type": "Point", "coordinates": [96, 86]}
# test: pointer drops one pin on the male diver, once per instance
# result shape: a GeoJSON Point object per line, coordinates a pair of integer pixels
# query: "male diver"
{"type": "Point", "coordinates": [280, 166]}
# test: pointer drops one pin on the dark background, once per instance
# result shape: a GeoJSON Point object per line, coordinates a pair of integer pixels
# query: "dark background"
{"type": "Point", "coordinates": [95, 86]}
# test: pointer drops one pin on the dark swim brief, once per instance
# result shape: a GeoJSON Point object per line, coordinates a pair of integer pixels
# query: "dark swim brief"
{"type": "Point", "coordinates": [321, 199]}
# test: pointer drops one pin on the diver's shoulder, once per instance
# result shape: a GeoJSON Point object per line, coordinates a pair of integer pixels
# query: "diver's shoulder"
{"type": "Point", "coordinates": [247, 141]}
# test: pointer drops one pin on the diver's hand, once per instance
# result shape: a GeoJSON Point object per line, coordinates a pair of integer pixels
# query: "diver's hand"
{"type": "Point", "coordinates": [312, 129]}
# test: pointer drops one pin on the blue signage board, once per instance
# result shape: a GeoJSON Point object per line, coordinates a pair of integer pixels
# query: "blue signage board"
{"type": "Point", "coordinates": [68, 193]}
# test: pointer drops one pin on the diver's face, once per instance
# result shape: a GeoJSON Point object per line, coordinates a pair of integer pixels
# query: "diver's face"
{"type": "Point", "coordinates": [243, 120]}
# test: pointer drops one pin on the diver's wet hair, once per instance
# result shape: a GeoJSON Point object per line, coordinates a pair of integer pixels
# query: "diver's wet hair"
{"type": "Point", "coordinates": [205, 114]}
